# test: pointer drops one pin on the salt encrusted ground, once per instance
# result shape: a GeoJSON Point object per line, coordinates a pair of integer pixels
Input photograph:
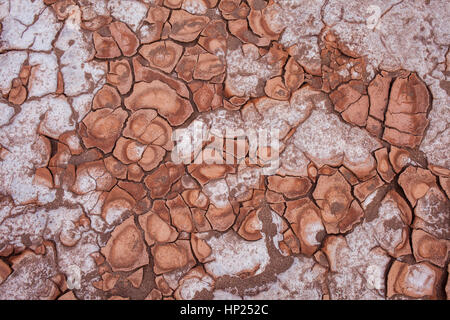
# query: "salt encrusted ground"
{"type": "Point", "coordinates": [92, 205]}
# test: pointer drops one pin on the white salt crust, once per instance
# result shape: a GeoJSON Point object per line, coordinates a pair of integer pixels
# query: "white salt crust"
{"type": "Point", "coordinates": [320, 135]}
{"type": "Point", "coordinates": [26, 148]}
{"type": "Point", "coordinates": [44, 74]}
{"type": "Point", "coordinates": [302, 281]}
{"type": "Point", "coordinates": [93, 8]}
{"type": "Point", "coordinates": [129, 11]}
{"type": "Point", "coordinates": [433, 209]}
{"type": "Point", "coordinates": [245, 71]}
{"type": "Point", "coordinates": [225, 295]}
{"type": "Point", "coordinates": [217, 192]}
{"type": "Point", "coordinates": [27, 24]}
{"type": "Point", "coordinates": [6, 113]}
{"type": "Point", "coordinates": [50, 115]}
{"type": "Point", "coordinates": [11, 63]}
{"type": "Point", "coordinates": [193, 283]}
{"type": "Point", "coordinates": [301, 22]}
{"type": "Point", "coordinates": [232, 255]}
{"type": "Point", "coordinates": [31, 279]}
{"type": "Point", "coordinates": [194, 6]}
{"type": "Point", "coordinates": [45, 224]}
{"type": "Point", "coordinates": [389, 215]}
{"type": "Point", "coordinates": [411, 35]}
{"type": "Point", "coordinates": [360, 268]}
{"type": "Point", "coordinates": [80, 74]}
{"type": "Point", "coordinates": [420, 278]}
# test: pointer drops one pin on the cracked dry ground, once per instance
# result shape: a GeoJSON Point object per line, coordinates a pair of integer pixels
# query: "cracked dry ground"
{"type": "Point", "coordinates": [92, 206]}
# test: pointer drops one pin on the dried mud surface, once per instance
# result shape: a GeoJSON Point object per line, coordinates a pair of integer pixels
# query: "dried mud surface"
{"type": "Point", "coordinates": [92, 205]}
